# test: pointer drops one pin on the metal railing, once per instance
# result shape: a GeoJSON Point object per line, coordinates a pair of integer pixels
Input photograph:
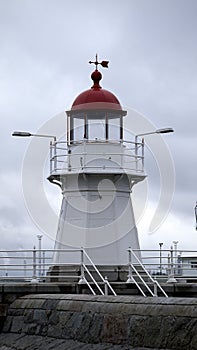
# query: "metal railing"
{"type": "Point", "coordinates": [27, 266]}
{"type": "Point", "coordinates": [131, 279]}
{"type": "Point", "coordinates": [129, 156]}
{"type": "Point", "coordinates": [168, 266]}
{"type": "Point", "coordinates": [84, 269]}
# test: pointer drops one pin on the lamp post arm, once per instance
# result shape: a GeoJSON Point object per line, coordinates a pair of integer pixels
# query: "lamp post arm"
{"type": "Point", "coordinates": [158, 131]}
{"type": "Point", "coordinates": [28, 134]}
{"type": "Point", "coordinates": [48, 136]}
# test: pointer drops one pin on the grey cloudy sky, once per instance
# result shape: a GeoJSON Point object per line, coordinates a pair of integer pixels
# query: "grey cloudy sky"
{"type": "Point", "coordinates": [45, 46]}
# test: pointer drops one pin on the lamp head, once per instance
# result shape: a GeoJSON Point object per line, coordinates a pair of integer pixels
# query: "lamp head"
{"type": "Point", "coordinates": [21, 133]}
{"type": "Point", "coordinates": [164, 131]}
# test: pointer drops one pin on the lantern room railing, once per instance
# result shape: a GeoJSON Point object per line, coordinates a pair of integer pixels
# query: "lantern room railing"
{"type": "Point", "coordinates": [97, 156]}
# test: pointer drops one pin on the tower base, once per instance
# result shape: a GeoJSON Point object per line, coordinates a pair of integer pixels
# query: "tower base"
{"type": "Point", "coordinates": [72, 273]}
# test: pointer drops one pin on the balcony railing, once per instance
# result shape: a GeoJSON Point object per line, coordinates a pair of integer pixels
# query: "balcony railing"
{"type": "Point", "coordinates": [97, 155]}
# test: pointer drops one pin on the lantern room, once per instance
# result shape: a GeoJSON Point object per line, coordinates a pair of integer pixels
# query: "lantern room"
{"type": "Point", "coordinates": [95, 115]}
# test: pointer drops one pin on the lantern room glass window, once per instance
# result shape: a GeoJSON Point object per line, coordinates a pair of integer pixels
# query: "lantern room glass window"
{"type": "Point", "coordinates": [114, 126]}
{"type": "Point", "coordinates": [96, 125]}
{"type": "Point", "coordinates": [77, 127]}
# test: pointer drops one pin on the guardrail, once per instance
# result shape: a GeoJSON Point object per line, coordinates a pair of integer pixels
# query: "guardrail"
{"type": "Point", "coordinates": [135, 267]}
{"type": "Point", "coordinates": [35, 265]}
{"type": "Point", "coordinates": [32, 265]}
{"type": "Point", "coordinates": [169, 265]}
{"type": "Point", "coordinates": [129, 156]}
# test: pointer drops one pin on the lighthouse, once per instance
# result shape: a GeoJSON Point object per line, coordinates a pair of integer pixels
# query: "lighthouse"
{"type": "Point", "coordinates": [96, 169]}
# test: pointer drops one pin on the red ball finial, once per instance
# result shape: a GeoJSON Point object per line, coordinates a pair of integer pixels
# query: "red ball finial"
{"type": "Point", "coordinates": [96, 76]}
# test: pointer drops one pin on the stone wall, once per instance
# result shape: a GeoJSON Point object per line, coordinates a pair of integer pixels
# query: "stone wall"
{"type": "Point", "coordinates": [100, 323]}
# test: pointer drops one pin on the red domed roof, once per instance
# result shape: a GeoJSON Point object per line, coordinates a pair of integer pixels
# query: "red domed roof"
{"type": "Point", "coordinates": [96, 97]}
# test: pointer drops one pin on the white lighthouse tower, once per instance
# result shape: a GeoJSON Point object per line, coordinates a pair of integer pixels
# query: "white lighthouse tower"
{"type": "Point", "coordinates": [96, 169]}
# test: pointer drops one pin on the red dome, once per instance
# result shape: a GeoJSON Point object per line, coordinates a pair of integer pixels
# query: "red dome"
{"type": "Point", "coordinates": [96, 97]}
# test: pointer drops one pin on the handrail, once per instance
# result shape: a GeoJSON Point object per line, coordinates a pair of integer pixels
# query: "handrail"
{"type": "Point", "coordinates": [147, 273]}
{"type": "Point", "coordinates": [92, 278]}
{"type": "Point", "coordinates": [88, 284]}
{"type": "Point", "coordinates": [140, 277]}
{"type": "Point", "coordinates": [98, 272]}
{"type": "Point", "coordinates": [132, 280]}
{"type": "Point", "coordinates": [171, 266]}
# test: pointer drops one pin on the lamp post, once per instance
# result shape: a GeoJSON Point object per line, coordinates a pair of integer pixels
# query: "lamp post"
{"type": "Point", "coordinates": [160, 258]}
{"type": "Point", "coordinates": [52, 144]}
{"type": "Point", "coordinates": [195, 210]}
{"type": "Point", "coordinates": [158, 131]}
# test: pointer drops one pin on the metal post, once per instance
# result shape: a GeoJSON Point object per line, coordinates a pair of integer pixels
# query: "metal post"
{"type": "Point", "coordinates": [43, 266]}
{"type": "Point", "coordinates": [160, 258]}
{"type": "Point", "coordinates": [179, 265]}
{"type": "Point", "coordinates": [155, 289]}
{"type": "Point", "coordinates": [171, 278]}
{"type": "Point", "coordinates": [143, 154]}
{"type": "Point", "coordinates": [168, 265]}
{"type": "Point", "coordinates": [122, 154]}
{"type": "Point", "coordinates": [69, 163]}
{"type": "Point", "coordinates": [130, 277]}
{"type": "Point", "coordinates": [175, 257]}
{"type": "Point", "coordinates": [82, 277]}
{"type": "Point", "coordinates": [25, 269]}
{"type": "Point", "coordinates": [40, 255]}
{"type": "Point", "coordinates": [106, 285]}
{"type": "Point", "coordinates": [51, 158]}
{"type": "Point", "coordinates": [34, 277]}
{"type": "Point", "coordinates": [136, 152]}
{"type": "Point", "coordinates": [55, 156]}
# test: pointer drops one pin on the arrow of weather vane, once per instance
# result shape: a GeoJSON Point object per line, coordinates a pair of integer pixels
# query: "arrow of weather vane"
{"type": "Point", "coordinates": [103, 63]}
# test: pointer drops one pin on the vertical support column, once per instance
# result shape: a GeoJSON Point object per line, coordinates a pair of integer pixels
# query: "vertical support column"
{"type": "Point", "coordinates": [55, 155]}
{"type": "Point", "coordinates": [106, 286]}
{"type": "Point", "coordinates": [86, 126]}
{"type": "Point", "coordinates": [175, 257]}
{"type": "Point", "coordinates": [171, 278]}
{"type": "Point", "coordinates": [143, 154]}
{"type": "Point", "coordinates": [39, 255]}
{"type": "Point", "coordinates": [43, 266]}
{"type": "Point", "coordinates": [130, 277]}
{"type": "Point", "coordinates": [155, 288]}
{"type": "Point", "coordinates": [160, 258]}
{"type": "Point", "coordinates": [25, 269]}
{"type": "Point", "coordinates": [106, 127]}
{"type": "Point", "coordinates": [51, 158]}
{"type": "Point", "coordinates": [34, 277]}
{"type": "Point", "coordinates": [71, 129]}
{"type": "Point", "coordinates": [121, 127]}
{"type": "Point", "coordinates": [136, 153]}
{"type": "Point", "coordinates": [68, 129]}
{"type": "Point", "coordinates": [82, 278]}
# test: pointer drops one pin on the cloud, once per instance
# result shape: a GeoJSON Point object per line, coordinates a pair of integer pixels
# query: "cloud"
{"type": "Point", "coordinates": [45, 49]}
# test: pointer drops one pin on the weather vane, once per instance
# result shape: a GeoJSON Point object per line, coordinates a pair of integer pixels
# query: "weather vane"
{"type": "Point", "coordinates": [103, 63]}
